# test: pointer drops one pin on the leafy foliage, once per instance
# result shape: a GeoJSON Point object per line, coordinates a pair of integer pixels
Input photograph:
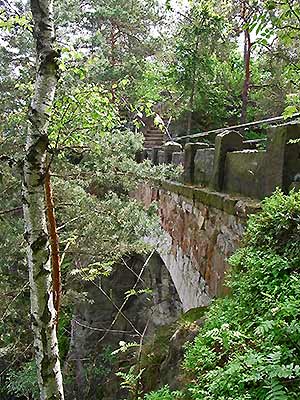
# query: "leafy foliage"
{"type": "Point", "coordinates": [162, 394]}
{"type": "Point", "coordinates": [24, 382]}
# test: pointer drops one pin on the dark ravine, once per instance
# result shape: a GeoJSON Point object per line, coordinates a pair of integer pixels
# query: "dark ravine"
{"type": "Point", "coordinates": [145, 312]}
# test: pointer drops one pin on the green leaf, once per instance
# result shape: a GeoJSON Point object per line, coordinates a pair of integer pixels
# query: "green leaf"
{"type": "Point", "coordinates": [290, 111]}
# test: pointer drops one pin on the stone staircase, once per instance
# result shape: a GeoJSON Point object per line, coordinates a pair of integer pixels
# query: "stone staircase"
{"type": "Point", "coordinates": [154, 137]}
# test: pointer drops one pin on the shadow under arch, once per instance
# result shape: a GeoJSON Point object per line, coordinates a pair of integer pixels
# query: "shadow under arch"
{"type": "Point", "coordinates": [166, 305]}
{"type": "Point", "coordinates": [189, 283]}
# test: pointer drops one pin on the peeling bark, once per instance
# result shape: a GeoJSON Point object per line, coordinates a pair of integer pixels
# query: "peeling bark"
{"type": "Point", "coordinates": [42, 308]}
{"type": "Point", "coordinates": [54, 243]}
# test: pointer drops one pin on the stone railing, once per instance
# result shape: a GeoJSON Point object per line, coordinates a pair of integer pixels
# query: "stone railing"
{"type": "Point", "coordinates": [233, 165]}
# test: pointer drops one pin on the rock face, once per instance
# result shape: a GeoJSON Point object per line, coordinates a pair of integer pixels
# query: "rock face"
{"type": "Point", "coordinates": [93, 333]}
{"type": "Point", "coordinates": [200, 229]}
{"type": "Point", "coordinates": [162, 355]}
{"type": "Point", "coordinates": [170, 368]}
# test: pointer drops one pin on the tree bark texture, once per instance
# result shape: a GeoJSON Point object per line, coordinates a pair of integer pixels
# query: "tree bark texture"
{"type": "Point", "coordinates": [54, 244]}
{"type": "Point", "coordinates": [247, 60]}
{"type": "Point", "coordinates": [193, 88]}
{"type": "Point", "coordinates": [42, 308]}
{"type": "Point", "coordinates": [246, 86]}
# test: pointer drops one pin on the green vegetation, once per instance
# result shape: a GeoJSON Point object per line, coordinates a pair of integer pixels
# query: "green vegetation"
{"type": "Point", "coordinates": [162, 394]}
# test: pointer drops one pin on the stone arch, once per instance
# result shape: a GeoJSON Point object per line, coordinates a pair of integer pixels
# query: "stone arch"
{"type": "Point", "coordinates": [190, 285]}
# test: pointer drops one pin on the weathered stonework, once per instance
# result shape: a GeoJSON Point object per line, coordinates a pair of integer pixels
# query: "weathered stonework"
{"type": "Point", "coordinates": [241, 167]}
{"type": "Point", "coordinates": [190, 285]}
{"type": "Point", "coordinates": [200, 230]}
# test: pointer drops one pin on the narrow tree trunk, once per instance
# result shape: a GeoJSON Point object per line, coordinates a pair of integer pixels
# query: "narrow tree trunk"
{"type": "Point", "coordinates": [247, 59]}
{"type": "Point", "coordinates": [193, 88]}
{"type": "Point", "coordinates": [54, 243]}
{"type": "Point", "coordinates": [191, 105]}
{"type": "Point", "coordinates": [245, 94]}
{"type": "Point", "coordinates": [42, 309]}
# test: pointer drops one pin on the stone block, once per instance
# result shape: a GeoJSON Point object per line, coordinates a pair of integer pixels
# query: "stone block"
{"type": "Point", "coordinates": [244, 208]}
{"type": "Point", "coordinates": [295, 185]}
{"type": "Point", "coordinates": [291, 165]}
{"type": "Point", "coordinates": [200, 195]}
{"type": "Point", "coordinates": [229, 205]}
{"type": "Point", "coordinates": [145, 154]}
{"type": "Point", "coordinates": [177, 158]}
{"type": "Point", "coordinates": [216, 200]}
{"type": "Point", "coordinates": [186, 191]}
{"type": "Point", "coordinates": [225, 142]}
{"type": "Point", "coordinates": [282, 162]}
{"type": "Point", "coordinates": [148, 154]}
{"type": "Point", "coordinates": [241, 172]}
{"type": "Point", "coordinates": [154, 155]}
{"type": "Point", "coordinates": [190, 150]}
{"type": "Point", "coordinates": [160, 157]}
{"type": "Point", "coordinates": [203, 166]}
{"type": "Point", "coordinates": [209, 198]}
{"type": "Point", "coordinates": [169, 148]}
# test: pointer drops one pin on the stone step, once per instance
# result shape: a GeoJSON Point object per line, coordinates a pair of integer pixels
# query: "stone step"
{"type": "Point", "coordinates": [151, 145]}
{"type": "Point", "coordinates": [154, 131]}
{"type": "Point", "coordinates": [154, 134]}
{"type": "Point", "coordinates": [153, 128]}
{"type": "Point", "coordinates": [154, 137]}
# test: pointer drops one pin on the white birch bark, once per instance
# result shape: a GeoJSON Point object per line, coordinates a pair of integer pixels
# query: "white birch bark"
{"type": "Point", "coordinates": [42, 309]}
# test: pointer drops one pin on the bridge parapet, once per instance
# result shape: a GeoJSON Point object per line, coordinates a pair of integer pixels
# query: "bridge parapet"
{"type": "Point", "coordinates": [233, 165]}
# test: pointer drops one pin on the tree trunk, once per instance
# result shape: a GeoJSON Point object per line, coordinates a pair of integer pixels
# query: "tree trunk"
{"type": "Point", "coordinates": [245, 94]}
{"type": "Point", "coordinates": [193, 88]}
{"type": "Point", "coordinates": [42, 308]}
{"type": "Point", "coordinates": [247, 58]}
{"type": "Point", "coordinates": [54, 244]}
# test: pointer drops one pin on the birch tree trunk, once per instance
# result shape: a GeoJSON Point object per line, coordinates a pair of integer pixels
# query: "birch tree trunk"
{"type": "Point", "coordinates": [42, 309]}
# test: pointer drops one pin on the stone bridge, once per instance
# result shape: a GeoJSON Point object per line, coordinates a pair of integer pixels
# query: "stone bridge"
{"type": "Point", "coordinates": [204, 215]}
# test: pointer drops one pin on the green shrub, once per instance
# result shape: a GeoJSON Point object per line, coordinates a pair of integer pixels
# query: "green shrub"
{"type": "Point", "coordinates": [163, 394]}
{"type": "Point", "coordinates": [23, 383]}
